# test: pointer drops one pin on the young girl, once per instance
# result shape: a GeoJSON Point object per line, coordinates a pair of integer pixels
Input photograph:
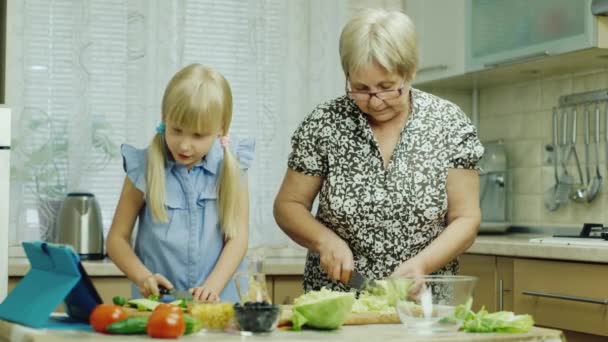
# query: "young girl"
{"type": "Point", "coordinates": [189, 193]}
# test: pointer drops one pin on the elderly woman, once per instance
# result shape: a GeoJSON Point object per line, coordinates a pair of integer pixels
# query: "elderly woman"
{"type": "Point", "coordinates": [394, 167]}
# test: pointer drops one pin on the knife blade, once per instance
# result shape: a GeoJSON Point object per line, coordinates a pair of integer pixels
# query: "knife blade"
{"type": "Point", "coordinates": [359, 281]}
{"type": "Point", "coordinates": [176, 294]}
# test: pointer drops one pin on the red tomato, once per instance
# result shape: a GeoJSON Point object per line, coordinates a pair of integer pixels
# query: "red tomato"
{"type": "Point", "coordinates": [166, 324]}
{"type": "Point", "coordinates": [168, 307]}
{"type": "Point", "coordinates": [106, 314]}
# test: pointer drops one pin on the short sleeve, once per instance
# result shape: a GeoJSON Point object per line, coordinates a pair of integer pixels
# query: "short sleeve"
{"type": "Point", "coordinates": [308, 149]}
{"type": "Point", "coordinates": [134, 164]}
{"type": "Point", "coordinates": [467, 150]}
{"type": "Point", "coordinates": [244, 152]}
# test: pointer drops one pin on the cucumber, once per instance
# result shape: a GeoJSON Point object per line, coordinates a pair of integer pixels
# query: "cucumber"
{"type": "Point", "coordinates": [193, 325]}
{"type": "Point", "coordinates": [119, 300]}
{"type": "Point", "coordinates": [129, 326]}
{"type": "Point", "coordinates": [143, 304]}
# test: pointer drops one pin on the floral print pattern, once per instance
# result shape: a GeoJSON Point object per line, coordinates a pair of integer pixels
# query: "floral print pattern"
{"type": "Point", "coordinates": [386, 215]}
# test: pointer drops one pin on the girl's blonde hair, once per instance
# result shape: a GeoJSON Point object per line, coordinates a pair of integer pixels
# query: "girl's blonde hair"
{"type": "Point", "coordinates": [197, 97]}
{"type": "Point", "coordinates": [377, 35]}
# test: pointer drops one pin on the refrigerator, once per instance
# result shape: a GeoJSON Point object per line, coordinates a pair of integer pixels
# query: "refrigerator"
{"type": "Point", "coordinates": [5, 154]}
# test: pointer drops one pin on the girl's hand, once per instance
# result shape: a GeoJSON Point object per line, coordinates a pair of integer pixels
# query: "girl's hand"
{"type": "Point", "coordinates": [205, 294]}
{"type": "Point", "coordinates": [149, 285]}
{"type": "Point", "coordinates": [336, 258]}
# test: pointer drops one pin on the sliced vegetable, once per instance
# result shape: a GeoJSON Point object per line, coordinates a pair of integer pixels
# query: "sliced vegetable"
{"type": "Point", "coordinates": [193, 325]}
{"type": "Point", "coordinates": [106, 314]}
{"type": "Point", "coordinates": [131, 325]}
{"type": "Point", "coordinates": [119, 300]}
{"type": "Point", "coordinates": [143, 304]}
{"type": "Point", "coordinates": [484, 322]}
{"type": "Point", "coordinates": [153, 297]}
{"type": "Point", "coordinates": [323, 309]}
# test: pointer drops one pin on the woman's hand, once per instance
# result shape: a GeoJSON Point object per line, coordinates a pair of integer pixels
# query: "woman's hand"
{"type": "Point", "coordinates": [413, 267]}
{"type": "Point", "coordinates": [205, 293]}
{"type": "Point", "coordinates": [336, 258]}
{"type": "Point", "coordinates": [149, 285]}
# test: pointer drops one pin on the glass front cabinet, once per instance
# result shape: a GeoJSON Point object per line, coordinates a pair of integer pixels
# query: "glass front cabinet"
{"type": "Point", "coordinates": [500, 32]}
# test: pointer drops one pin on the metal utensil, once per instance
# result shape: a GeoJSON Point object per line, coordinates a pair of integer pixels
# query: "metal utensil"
{"type": "Point", "coordinates": [565, 180]}
{"type": "Point", "coordinates": [595, 184]}
{"type": "Point", "coordinates": [579, 194]}
{"type": "Point", "coordinates": [359, 281]}
{"type": "Point", "coordinates": [176, 294]}
{"type": "Point", "coordinates": [551, 198]}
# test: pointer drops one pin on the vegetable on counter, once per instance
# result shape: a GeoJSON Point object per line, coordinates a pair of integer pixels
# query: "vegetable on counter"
{"type": "Point", "coordinates": [106, 314]}
{"type": "Point", "coordinates": [324, 309]}
{"type": "Point", "coordinates": [131, 325]}
{"type": "Point", "coordinates": [143, 304]}
{"type": "Point", "coordinates": [119, 300]}
{"type": "Point", "coordinates": [485, 322]}
{"type": "Point", "coordinates": [166, 323]}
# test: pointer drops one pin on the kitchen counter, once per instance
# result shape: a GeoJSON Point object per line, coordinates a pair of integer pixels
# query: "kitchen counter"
{"type": "Point", "coordinates": [282, 265]}
{"type": "Point", "coordinates": [384, 332]}
{"type": "Point", "coordinates": [288, 262]}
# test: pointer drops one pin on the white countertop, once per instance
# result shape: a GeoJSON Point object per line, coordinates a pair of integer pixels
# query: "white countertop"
{"type": "Point", "coordinates": [286, 262]}
{"type": "Point", "coordinates": [384, 332]}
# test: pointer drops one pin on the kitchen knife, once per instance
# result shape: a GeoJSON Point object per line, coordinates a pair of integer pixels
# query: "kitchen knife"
{"type": "Point", "coordinates": [176, 294]}
{"type": "Point", "coordinates": [360, 282]}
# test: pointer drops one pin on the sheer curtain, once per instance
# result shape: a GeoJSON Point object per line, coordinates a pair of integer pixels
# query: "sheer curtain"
{"type": "Point", "coordinates": [84, 76]}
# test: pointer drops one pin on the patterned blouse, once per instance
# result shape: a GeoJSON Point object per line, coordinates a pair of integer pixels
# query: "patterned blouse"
{"type": "Point", "coordinates": [386, 215]}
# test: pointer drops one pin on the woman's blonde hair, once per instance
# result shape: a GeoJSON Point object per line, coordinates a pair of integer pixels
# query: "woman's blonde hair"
{"type": "Point", "coordinates": [196, 97]}
{"type": "Point", "coordinates": [380, 36]}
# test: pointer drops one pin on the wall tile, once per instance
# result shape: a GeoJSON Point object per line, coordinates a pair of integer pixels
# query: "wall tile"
{"type": "Point", "coordinates": [526, 181]}
{"type": "Point", "coordinates": [525, 153]}
{"type": "Point", "coordinates": [526, 208]}
{"type": "Point", "coordinates": [552, 88]}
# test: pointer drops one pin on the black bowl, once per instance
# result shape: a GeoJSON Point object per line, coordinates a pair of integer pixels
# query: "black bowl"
{"type": "Point", "coordinates": [257, 319]}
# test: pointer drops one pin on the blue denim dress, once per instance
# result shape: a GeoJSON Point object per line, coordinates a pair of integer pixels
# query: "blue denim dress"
{"type": "Point", "coordinates": [185, 249]}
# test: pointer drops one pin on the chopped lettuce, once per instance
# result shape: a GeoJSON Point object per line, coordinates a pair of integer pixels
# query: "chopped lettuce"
{"type": "Point", "coordinates": [383, 296]}
{"type": "Point", "coordinates": [484, 322]}
{"type": "Point", "coordinates": [324, 309]}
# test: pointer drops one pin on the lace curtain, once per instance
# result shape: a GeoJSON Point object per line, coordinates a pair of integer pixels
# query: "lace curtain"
{"type": "Point", "coordinates": [84, 76]}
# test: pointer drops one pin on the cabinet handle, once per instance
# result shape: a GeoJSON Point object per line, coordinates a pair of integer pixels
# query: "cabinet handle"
{"type": "Point", "coordinates": [517, 59]}
{"type": "Point", "coordinates": [432, 68]}
{"type": "Point", "coordinates": [500, 295]}
{"type": "Point", "coordinates": [566, 297]}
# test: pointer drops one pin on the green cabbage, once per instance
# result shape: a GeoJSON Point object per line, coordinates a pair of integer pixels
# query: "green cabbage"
{"type": "Point", "coordinates": [323, 309]}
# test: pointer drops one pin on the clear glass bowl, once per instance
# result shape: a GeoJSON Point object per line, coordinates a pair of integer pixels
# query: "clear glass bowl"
{"type": "Point", "coordinates": [431, 301]}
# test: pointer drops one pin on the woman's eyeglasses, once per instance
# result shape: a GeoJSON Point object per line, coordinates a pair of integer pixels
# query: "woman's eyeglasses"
{"type": "Point", "coordinates": [384, 95]}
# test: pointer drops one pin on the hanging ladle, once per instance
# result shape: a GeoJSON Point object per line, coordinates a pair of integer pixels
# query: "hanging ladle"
{"type": "Point", "coordinates": [579, 194]}
{"type": "Point", "coordinates": [595, 184]}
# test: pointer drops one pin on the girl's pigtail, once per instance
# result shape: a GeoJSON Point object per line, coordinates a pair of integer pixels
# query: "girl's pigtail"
{"type": "Point", "coordinates": [228, 194]}
{"type": "Point", "coordinates": [155, 179]}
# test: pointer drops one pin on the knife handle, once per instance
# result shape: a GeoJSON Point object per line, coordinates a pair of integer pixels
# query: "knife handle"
{"type": "Point", "coordinates": [163, 290]}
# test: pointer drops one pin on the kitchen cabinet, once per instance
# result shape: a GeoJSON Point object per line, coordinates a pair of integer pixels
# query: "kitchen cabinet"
{"type": "Point", "coordinates": [566, 295]}
{"type": "Point", "coordinates": [494, 288]}
{"type": "Point", "coordinates": [502, 32]}
{"type": "Point", "coordinates": [440, 33]}
{"type": "Point", "coordinates": [287, 288]}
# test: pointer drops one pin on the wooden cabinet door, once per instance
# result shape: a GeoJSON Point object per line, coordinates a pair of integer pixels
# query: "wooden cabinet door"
{"type": "Point", "coordinates": [483, 267]}
{"type": "Point", "coordinates": [287, 288]}
{"type": "Point", "coordinates": [563, 295]}
{"type": "Point", "coordinates": [504, 290]}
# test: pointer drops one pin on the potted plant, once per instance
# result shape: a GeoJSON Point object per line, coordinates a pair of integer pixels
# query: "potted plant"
{"type": "Point", "coordinates": [42, 159]}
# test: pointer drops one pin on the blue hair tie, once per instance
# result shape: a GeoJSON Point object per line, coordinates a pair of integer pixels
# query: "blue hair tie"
{"type": "Point", "coordinates": [160, 129]}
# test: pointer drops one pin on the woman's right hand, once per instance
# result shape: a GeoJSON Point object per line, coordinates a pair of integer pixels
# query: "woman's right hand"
{"type": "Point", "coordinates": [149, 285]}
{"type": "Point", "coordinates": [336, 258]}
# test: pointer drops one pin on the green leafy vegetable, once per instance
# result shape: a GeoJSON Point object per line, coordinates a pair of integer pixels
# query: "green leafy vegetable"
{"type": "Point", "coordinates": [323, 309]}
{"type": "Point", "coordinates": [383, 296]}
{"type": "Point", "coordinates": [154, 297]}
{"type": "Point", "coordinates": [484, 322]}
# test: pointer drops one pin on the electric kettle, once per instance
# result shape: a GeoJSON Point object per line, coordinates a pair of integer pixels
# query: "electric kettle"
{"type": "Point", "coordinates": [79, 225]}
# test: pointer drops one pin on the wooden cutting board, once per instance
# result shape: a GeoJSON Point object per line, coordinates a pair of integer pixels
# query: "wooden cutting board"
{"type": "Point", "coordinates": [351, 319]}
